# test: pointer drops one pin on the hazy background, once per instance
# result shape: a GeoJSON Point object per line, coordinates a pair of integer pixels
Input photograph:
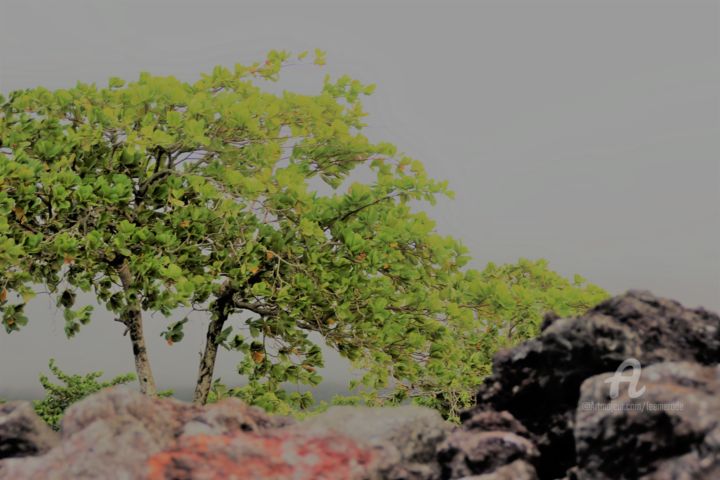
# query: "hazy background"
{"type": "Point", "coordinates": [584, 132]}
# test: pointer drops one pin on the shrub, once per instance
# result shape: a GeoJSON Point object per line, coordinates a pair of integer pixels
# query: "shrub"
{"type": "Point", "coordinates": [58, 397]}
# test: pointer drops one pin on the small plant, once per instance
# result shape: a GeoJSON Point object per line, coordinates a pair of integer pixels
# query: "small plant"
{"type": "Point", "coordinates": [73, 388]}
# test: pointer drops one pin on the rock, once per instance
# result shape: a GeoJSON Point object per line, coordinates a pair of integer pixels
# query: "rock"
{"type": "Point", "coordinates": [670, 431]}
{"type": "Point", "coordinates": [108, 434]}
{"type": "Point", "coordinates": [517, 470]}
{"type": "Point", "coordinates": [405, 437]}
{"type": "Point", "coordinates": [113, 433]}
{"type": "Point", "coordinates": [101, 450]}
{"type": "Point", "coordinates": [162, 419]}
{"type": "Point", "coordinates": [231, 415]}
{"type": "Point", "coordinates": [539, 381]}
{"type": "Point", "coordinates": [23, 432]}
{"type": "Point", "coordinates": [344, 442]}
{"type": "Point", "coordinates": [488, 421]}
{"type": "Point", "coordinates": [276, 455]}
{"type": "Point", "coordinates": [487, 442]}
{"type": "Point", "coordinates": [466, 453]}
{"type": "Point", "coordinates": [121, 434]}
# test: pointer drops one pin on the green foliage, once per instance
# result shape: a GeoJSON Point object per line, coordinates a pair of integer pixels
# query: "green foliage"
{"type": "Point", "coordinates": [59, 397]}
{"type": "Point", "coordinates": [207, 191]}
{"type": "Point", "coordinates": [297, 404]}
{"type": "Point", "coordinates": [277, 401]}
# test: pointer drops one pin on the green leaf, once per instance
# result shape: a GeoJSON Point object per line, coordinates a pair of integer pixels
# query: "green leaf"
{"type": "Point", "coordinates": [116, 82]}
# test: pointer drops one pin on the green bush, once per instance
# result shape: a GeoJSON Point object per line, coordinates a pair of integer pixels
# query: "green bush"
{"type": "Point", "coordinates": [73, 388]}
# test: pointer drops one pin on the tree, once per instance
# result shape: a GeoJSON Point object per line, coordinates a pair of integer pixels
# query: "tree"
{"type": "Point", "coordinates": [161, 195]}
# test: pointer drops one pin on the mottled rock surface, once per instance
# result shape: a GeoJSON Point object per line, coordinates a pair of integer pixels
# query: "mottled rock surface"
{"type": "Point", "coordinates": [405, 438]}
{"type": "Point", "coordinates": [121, 434]}
{"type": "Point", "coordinates": [22, 432]}
{"type": "Point", "coordinates": [113, 433]}
{"type": "Point", "coordinates": [467, 452]}
{"type": "Point", "coordinates": [539, 381]}
{"type": "Point", "coordinates": [276, 455]}
{"type": "Point", "coordinates": [488, 421]}
{"type": "Point", "coordinates": [670, 431]}
{"type": "Point", "coordinates": [517, 470]}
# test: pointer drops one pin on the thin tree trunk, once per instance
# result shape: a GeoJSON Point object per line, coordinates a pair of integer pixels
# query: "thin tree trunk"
{"type": "Point", "coordinates": [134, 323]}
{"type": "Point", "coordinates": [207, 361]}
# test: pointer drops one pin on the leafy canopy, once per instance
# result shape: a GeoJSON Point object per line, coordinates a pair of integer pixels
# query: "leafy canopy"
{"type": "Point", "coordinates": [212, 187]}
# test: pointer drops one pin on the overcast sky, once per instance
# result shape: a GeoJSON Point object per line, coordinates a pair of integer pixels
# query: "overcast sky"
{"type": "Point", "coordinates": [583, 132]}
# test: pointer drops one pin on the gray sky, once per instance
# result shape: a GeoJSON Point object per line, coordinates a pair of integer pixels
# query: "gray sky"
{"type": "Point", "coordinates": [584, 132]}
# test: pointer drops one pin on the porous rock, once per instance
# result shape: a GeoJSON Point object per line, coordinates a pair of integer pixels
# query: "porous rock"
{"type": "Point", "coordinates": [22, 432]}
{"type": "Point", "coordinates": [538, 382]}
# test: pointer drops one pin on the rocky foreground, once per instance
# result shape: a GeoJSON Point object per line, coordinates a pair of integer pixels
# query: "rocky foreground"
{"type": "Point", "coordinates": [548, 411]}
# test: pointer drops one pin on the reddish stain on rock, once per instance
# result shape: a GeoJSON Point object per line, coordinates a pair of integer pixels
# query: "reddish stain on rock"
{"type": "Point", "coordinates": [277, 455]}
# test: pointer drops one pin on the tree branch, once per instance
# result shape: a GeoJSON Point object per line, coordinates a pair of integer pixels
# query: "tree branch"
{"type": "Point", "coordinates": [255, 308]}
{"type": "Point", "coordinates": [349, 214]}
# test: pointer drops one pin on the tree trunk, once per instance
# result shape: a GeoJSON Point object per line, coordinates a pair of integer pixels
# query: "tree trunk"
{"type": "Point", "coordinates": [132, 319]}
{"type": "Point", "coordinates": [207, 362]}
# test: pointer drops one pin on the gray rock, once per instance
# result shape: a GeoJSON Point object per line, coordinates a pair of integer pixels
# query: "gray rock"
{"type": "Point", "coordinates": [231, 415]}
{"type": "Point", "coordinates": [490, 420]}
{"type": "Point", "coordinates": [539, 381]}
{"type": "Point", "coordinates": [517, 470]}
{"type": "Point", "coordinates": [113, 433]}
{"type": "Point", "coordinates": [406, 436]}
{"type": "Point", "coordinates": [466, 453]}
{"type": "Point", "coordinates": [487, 442]}
{"type": "Point", "coordinates": [111, 450]}
{"type": "Point", "coordinates": [23, 432]}
{"type": "Point", "coordinates": [161, 418]}
{"type": "Point", "coordinates": [670, 431]}
{"type": "Point", "coordinates": [121, 434]}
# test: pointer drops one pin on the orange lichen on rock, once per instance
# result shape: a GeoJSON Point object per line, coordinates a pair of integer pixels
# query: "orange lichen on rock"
{"type": "Point", "coordinates": [277, 455]}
